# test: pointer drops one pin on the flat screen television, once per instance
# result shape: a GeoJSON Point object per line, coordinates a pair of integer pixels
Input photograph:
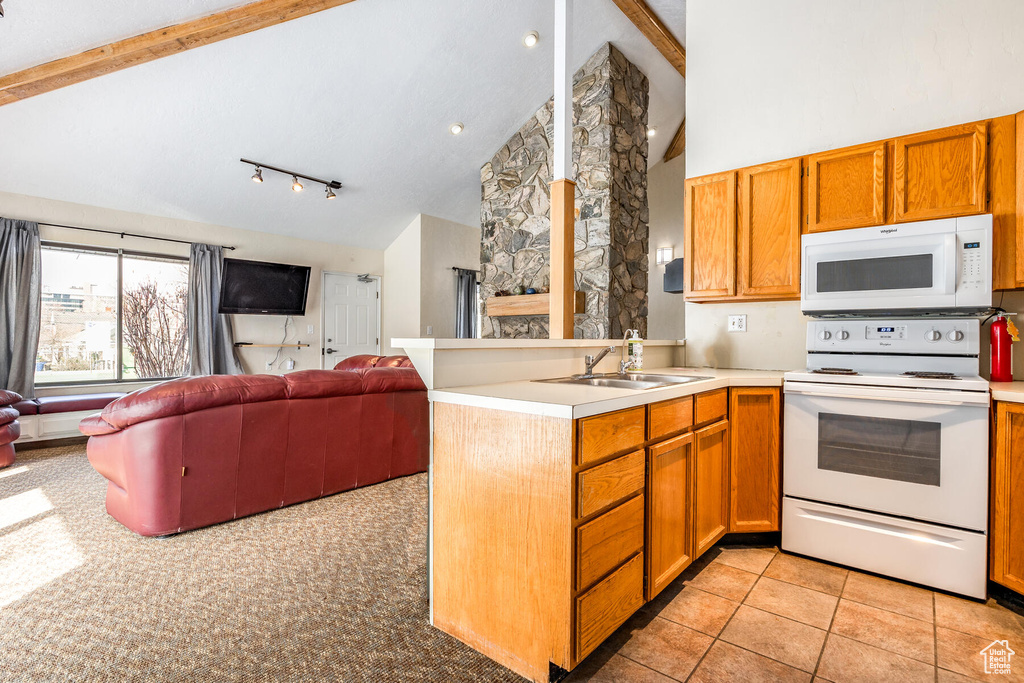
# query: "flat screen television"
{"type": "Point", "coordinates": [260, 288]}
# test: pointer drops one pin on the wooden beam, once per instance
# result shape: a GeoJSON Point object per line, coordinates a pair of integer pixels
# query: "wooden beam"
{"type": "Point", "coordinates": [678, 144]}
{"type": "Point", "coordinates": [154, 45]}
{"type": "Point", "coordinates": [561, 321]}
{"type": "Point", "coordinates": [644, 18]}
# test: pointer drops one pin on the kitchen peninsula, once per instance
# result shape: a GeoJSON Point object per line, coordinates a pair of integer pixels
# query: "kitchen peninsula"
{"type": "Point", "coordinates": [558, 510]}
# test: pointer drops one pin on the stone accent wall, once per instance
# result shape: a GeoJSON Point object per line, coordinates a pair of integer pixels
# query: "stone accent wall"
{"type": "Point", "coordinates": [610, 98]}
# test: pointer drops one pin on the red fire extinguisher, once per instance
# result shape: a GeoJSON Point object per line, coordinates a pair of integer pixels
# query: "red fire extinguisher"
{"type": "Point", "coordinates": [1003, 333]}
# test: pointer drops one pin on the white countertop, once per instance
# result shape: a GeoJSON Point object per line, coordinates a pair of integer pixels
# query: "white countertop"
{"type": "Point", "coordinates": [486, 344]}
{"type": "Point", "coordinates": [575, 401]}
{"type": "Point", "coordinates": [1012, 392]}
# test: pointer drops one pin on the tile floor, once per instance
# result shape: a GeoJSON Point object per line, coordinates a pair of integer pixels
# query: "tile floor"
{"type": "Point", "coordinates": [757, 614]}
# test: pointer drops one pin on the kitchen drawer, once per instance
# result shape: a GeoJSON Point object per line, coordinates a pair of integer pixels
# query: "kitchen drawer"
{"type": "Point", "coordinates": [608, 541]}
{"type": "Point", "coordinates": [611, 433]}
{"type": "Point", "coordinates": [609, 483]}
{"type": "Point", "coordinates": [711, 406]}
{"type": "Point", "coordinates": [666, 418]}
{"type": "Point", "coordinates": [607, 605]}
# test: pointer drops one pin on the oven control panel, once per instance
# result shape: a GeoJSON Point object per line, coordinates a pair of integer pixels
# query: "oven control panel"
{"type": "Point", "coordinates": [932, 336]}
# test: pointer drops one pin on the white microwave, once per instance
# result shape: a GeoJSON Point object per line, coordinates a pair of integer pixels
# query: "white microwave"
{"type": "Point", "coordinates": [939, 267]}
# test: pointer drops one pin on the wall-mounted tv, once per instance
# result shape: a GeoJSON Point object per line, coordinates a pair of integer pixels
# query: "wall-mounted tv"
{"type": "Point", "coordinates": [261, 288]}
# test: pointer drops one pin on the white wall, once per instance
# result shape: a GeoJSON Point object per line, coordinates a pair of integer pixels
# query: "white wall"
{"type": "Point", "coordinates": [249, 245]}
{"type": "Point", "coordinates": [665, 202]}
{"type": "Point", "coordinates": [773, 80]}
{"type": "Point", "coordinates": [400, 296]}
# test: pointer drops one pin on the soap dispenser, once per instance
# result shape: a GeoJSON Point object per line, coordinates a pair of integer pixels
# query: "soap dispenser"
{"type": "Point", "coordinates": [635, 349]}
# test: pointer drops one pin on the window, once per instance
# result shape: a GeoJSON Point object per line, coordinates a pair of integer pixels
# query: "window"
{"type": "Point", "coordinates": [110, 316]}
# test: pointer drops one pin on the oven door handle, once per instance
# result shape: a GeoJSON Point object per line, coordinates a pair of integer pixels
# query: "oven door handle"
{"type": "Point", "coordinates": [860, 397]}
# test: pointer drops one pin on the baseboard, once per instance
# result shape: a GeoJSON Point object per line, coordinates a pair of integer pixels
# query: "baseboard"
{"type": "Point", "coordinates": [46, 428]}
{"type": "Point", "coordinates": [21, 447]}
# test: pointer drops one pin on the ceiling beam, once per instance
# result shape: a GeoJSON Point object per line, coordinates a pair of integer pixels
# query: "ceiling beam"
{"type": "Point", "coordinates": [678, 144]}
{"type": "Point", "coordinates": [644, 18]}
{"type": "Point", "coordinates": [154, 45]}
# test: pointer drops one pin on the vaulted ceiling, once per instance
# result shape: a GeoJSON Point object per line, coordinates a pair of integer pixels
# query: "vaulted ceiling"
{"type": "Point", "coordinates": [363, 93]}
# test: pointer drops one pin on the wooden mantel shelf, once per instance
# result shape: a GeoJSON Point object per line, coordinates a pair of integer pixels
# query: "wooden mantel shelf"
{"type": "Point", "coordinates": [526, 304]}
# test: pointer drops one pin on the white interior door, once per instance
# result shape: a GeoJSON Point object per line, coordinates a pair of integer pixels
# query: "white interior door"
{"type": "Point", "coordinates": [351, 315]}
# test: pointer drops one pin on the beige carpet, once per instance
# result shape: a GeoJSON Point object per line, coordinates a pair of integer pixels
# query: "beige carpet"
{"type": "Point", "coordinates": [330, 590]}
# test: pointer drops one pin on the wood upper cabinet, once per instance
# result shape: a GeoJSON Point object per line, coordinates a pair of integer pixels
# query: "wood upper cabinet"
{"type": "Point", "coordinates": [669, 511]}
{"type": "Point", "coordinates": [846, 188]}
{"type": "Point", "coordinates": [709, 234]}
{"type": "Point", "coordinates": [1007, 504]}
{"type": "Point", "coordinates": [768, 260]}
{"type": "Point", "coordinates": [941, 173]}
{"type": "Point", "coordinates": [754, 459]}
{"type": "Point", "coordinates": [711, 486]}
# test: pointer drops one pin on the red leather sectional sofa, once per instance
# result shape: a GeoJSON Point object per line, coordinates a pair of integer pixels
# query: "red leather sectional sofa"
{"type": "Point", "coordinates": [10, 430]}
{"type": "Point", "coordinates": [196, 451]}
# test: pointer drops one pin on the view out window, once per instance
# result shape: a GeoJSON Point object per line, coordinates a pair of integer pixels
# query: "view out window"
{"type": "Point", "coordinates": [109, 316]}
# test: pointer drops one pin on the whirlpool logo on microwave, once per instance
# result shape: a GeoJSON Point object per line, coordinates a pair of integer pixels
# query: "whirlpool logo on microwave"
{"type": "Point", "coordinates": [888, 231]}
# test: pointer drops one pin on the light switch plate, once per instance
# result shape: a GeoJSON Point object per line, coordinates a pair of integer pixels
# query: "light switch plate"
{"type": "Point", "coordinates": [309, 329]}
{"type": "Point", "coordinates": [430, 330]}
{"type": "Point", "coordinates": [737, 323]}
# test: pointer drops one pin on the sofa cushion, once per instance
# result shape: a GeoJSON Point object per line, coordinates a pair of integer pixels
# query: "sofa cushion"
{"type": "Point", "coordinates": [72, 403]}
{"type": "Point", "coordinates": [8, 397]}
{"type": "Point", "coordinates": [357, 362]}
{"type": "Point", "coordinates": [9, 433]}
{"type": "Point", "coordinates": [95, 425]}
{"type": "Point", "coordinates": [323, 383]}
{"type": "Point", "coordinates": [8, 415]}
{"type": "Point", "coordinates": [190, 394]}
{"type": "Point", "coordinates": [394, 362]}
{"type": "Point", "coordinates": [27, 407]}
{"type": "Point", "coordinates": [383, 380]}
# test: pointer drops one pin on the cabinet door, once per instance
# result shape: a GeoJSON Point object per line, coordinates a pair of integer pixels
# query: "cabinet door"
{"type": "Point", "coordinates": [711, 486]}
{"type": "Point", "coordinates": [710, 236]}
{"type": "Point", "coordinates": [846, 188]}
{"type": "Point", "coordinates": [769, 230]}
{"type": "Point", "coordinates": [941, 173]}
{"type": "Point", "coordinates": [1007, 565]}
{"type": "Point", "coordinates": [669, 511]}
{"type": "Point", "coordinates": [754, 462]}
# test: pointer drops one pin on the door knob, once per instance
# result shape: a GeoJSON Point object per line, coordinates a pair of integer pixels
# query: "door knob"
{"type": "Point", "coordinates": [329, 351]}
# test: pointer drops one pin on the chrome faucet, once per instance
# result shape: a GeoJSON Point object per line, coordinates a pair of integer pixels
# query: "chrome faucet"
{"type": "Point", "coordinates": [591, 361]}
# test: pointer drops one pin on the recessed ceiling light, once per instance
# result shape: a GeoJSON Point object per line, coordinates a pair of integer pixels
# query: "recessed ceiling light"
{"type": "Point", "coordinates": [651, 132]}
{"type": "Point", "coordinates": [257, 177]}
{"type": "Point", "coordinates": [531, 39]}
{"type": "Point", "coordinates": [296, 185]}
{"type": "Point", "coordinates": [456, 128]}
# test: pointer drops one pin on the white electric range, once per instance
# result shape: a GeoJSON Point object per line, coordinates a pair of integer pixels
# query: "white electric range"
{"type": "Point", "coordinates": [886, 450]}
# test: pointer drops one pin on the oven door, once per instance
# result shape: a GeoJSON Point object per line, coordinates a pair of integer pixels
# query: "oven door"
{"type": "Point", "coordinates": [891, 273]}
{"type": "Point", "coordinates": [916, 453]}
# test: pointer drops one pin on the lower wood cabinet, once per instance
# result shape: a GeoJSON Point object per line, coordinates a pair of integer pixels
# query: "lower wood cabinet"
{"type": "Point", "coordinates": [1007, 504]}
{"type": "Point", "coordinates": [711, 486]}
{"type": "Point", "coordinates": [755, 463]}
{"type": "Point", "coordinates": [669, 511]}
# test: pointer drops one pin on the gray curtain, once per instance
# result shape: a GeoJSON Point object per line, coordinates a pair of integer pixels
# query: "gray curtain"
{"type": "Point", "coordinates": [465, 303]}
{"type": "Point", "coordinates": [20, 301]}
{"type": "Point", "coordinates": [211, 339]}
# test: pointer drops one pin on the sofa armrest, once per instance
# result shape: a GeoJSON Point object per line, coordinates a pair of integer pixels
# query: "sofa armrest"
{"type": "Point", "coordinates": [94, 425]}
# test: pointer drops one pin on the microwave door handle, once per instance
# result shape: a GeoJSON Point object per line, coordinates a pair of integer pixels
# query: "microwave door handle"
{"type": "Point", "coordinates": [952, 275]}
{"type": "Point", "coordinates": [823, 394]}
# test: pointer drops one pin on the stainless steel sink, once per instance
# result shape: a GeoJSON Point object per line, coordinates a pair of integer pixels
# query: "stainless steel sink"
{"type": "Point", "coordinates": [629, 380]}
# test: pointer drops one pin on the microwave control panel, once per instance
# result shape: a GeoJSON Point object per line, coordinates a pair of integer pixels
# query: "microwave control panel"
{"type": "Point", "coordinates": [974, 248]}
{"type": "Point", "coordinates": [932, 336]}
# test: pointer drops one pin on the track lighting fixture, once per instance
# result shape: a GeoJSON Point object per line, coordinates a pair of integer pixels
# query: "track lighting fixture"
{"type": "Point", "coordinates": [1, 8]}
{"type": "Point", "coordinates": [329, 185]}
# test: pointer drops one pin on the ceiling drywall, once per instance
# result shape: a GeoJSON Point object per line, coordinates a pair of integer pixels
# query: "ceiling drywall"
{"type": "Point", "coordinates": [363, 93]}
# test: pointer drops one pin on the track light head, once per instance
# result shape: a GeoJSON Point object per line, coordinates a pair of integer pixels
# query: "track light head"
{"type": "Point", "coordinates": [330, 192]}
{"type": "Point", "coordinates": [257, 177]}
{"type": "Point", "coordinates": [1, 8]}
{"type": "Point", "coordinates": [296, 185]}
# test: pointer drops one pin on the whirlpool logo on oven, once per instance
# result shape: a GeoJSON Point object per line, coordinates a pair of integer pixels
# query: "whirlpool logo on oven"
{"type": "Point", "coordinates": [888, 231]}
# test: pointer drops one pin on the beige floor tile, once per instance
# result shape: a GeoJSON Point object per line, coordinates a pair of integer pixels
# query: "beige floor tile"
{"type": "Point", "coordinates": [807, 573]}
{"type": "Point", "coordinates": [961, 652]}
{"type": "Point", "coordinates": [748, 559]}
{"type": "Point", "coordinates": [727, 663]}
{"type": "Point", "coordinates": [796, 602]}
{"type": "Point", "coordinates": [848, 661]}
{"type": "Point", "coordinates": [616, 669]}
{"type": "Point", "coordinates": [721, 579]}
{"type": "Point", "coordinates": [890, 631]}
{"type": "Point", "coordinates": [953, 677]}
{"type": "Point", "coordinates": [705, 612]}
{"type": "Point", "coordinates": [781, 639]}
{"type": "Point", "coordinates": [990, 621]}
{"type": "Point", "coordinates": [889, 595]}
{"type": "Point", "coordinates": [667, 647]}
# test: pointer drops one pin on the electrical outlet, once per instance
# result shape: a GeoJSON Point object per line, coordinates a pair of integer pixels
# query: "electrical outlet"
{"type": "Point", "coordinates": [309, 329]}
{"type": "Point", "coordinates": [430, 330]}
{"type": "Point", "coordinates": [737, 323]}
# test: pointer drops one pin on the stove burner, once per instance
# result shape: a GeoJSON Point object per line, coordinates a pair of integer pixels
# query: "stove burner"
{"type": "Point", "coordinates": [834, 371]}
{"type": "Point", "coordinates": [931, 375]}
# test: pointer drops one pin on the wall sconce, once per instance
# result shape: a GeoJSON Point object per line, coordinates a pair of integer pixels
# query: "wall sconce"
{"type": "Point", "coordinates": [664, 255]}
